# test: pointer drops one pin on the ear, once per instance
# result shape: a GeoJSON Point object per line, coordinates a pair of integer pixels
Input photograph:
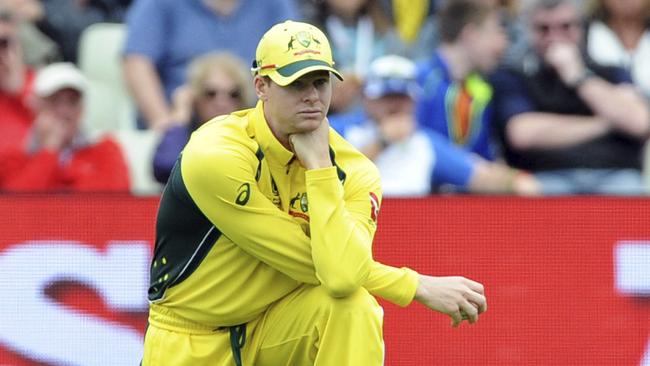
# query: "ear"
{"type": "Point", "coordinates": [261, 87]}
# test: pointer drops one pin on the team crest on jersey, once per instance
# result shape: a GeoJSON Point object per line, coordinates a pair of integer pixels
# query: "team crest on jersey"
{"type": "Point", "coordinates": [301, 199]}
{"type": "Point", "coordinates": [304, 204]}
{"type": "Point", "coordinates": [299, 206]}
{"type": "Point", "coordinates": [374, 207]}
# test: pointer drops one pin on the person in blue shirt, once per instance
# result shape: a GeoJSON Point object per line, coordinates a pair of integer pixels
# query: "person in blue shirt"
{"type": "Point", "coordinates": [413, 160]}
{"type": "Point", "coordinates": [455, 99]}
{"type": "Point", "coordinates": [163, 36]}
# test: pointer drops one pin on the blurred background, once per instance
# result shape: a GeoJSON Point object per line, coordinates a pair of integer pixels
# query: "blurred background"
{"type": "Point", "coordinates": [511, 139]}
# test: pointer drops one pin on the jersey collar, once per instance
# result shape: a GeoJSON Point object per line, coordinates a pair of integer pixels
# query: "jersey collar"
{"type": "Point", "coordinates": [269, 144]}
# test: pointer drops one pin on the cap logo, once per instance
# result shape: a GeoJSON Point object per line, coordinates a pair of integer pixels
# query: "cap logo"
{"type": "Point", "coordinates": [304, 38]}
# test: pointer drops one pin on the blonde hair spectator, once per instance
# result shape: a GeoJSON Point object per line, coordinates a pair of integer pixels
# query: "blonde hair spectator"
{"type": "Point", "coordinates": [217, 84]}
{"type": "Point", "coordinates": [230, 65]}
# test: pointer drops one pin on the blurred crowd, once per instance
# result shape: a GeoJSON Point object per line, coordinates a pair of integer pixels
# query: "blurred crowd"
{"type": "Point", "coordinates": [530, 97]}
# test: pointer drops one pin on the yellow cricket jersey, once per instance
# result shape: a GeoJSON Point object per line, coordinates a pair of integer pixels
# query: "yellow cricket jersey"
{"type": "Point", "coordinates": [241, 224]}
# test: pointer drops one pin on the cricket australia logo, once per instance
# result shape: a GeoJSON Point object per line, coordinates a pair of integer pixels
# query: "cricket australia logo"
{"type": "Point", "coordinates": [305, 39]}
{"type": "Point", "coordinates": [302, 199]}
{"type": "Point", "coordinates": [299, 206]}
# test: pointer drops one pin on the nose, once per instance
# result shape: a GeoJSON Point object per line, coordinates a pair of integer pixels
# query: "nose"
{"type": "Point", "coordinates": [67, 111]}
{"type": "Point", "coordinates": [311, 94]}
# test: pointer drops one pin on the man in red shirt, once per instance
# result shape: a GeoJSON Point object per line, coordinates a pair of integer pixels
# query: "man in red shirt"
{"type": "Point", "coordinates": [16, 81]}
{"type": "Point", "coordinates": [56, 155]}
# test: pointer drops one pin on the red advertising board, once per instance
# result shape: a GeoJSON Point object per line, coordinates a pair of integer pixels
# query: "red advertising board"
{"type": "Point", "coordinates": [567, 279]}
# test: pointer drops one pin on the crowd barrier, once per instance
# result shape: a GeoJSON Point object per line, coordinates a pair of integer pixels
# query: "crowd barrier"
{"type": "Point", "coordinates": [567, 279]}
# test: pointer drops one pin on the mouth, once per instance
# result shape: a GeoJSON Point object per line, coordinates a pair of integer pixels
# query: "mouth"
{"type": "Point", "coordinates": [311, 113]}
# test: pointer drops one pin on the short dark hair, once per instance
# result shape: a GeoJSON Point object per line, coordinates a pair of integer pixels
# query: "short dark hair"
{"type": "Point", "coordinates": [532, 7]}
{"type": "Point", "coordinates": [456, 14]}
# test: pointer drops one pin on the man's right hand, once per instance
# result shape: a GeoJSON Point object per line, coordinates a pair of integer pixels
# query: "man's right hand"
{"type": "Point", "coordinates": [567, 61]}
{"type": "Point", "coordinates": [458, 297]}
{"type": "Point", "coordinates": [312, 148]}
{"type": "Point", "coordinates": [182, 106]}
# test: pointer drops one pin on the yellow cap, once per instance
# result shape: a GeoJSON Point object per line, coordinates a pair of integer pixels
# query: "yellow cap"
{"type": "Point", "coordinates": [290, 50]}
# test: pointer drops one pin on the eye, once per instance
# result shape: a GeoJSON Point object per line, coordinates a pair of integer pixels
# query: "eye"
{"type": "Point", "coordinates": [298, 84]}
{"type": "Point", "coordinates": [321, 82]}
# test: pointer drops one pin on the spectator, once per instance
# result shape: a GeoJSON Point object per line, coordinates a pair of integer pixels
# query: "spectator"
{"type": "Point", "coordinates": [413, 161]}
{"type": "Point", "coordinates": [217, 84]}
{"type": "Point", "coordinates": [509, 11]}
{"type": "Point", "coordinates": [360, 31]}
{"type": "Point", "coordinates": [38, 48]}
{"type": "Point", "coordinates": [16, 81]}
{"type": "Point", "coordinates": [578, 125]}
{"type": "Point", "coordinates": [456, 100]}
{"type": "Point", "coordinates": [65, 20]}
{"type": "Point", "coordinates": [57, 157]}
{"type": "Point", "coordinates": [414, 23]}
{"type": "Point", "coordinates": [415, 26]}
{"type": "Point", "coordinates": [619, 35]}
{"type": "Point", "coordinates": [165, 35]}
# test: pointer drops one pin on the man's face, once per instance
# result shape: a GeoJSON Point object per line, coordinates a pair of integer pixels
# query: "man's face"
{"type": "Point", "coordinates": [389, 105]}
{"type": "Point", "coordinates": [487, 43]}
{"type": "Point", "coordinates": [298, 107]}
{"type": "Point", "coordinates": [347, 8]}
{"type": "Point", "coordinates": [66, 106]}
{"type": "Point", "coordinates": [219, 95]}
{"type": "Point", "coordinates": [558, 24]}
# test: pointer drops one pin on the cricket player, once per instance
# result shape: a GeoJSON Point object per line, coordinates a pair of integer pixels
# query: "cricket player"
{"type": "Point", "coordinates": [264, 232]}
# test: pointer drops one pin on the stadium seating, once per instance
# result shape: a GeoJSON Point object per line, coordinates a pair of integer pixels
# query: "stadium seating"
{"type": "Point", "coordinates": [109, 105]}
{"type": "Point", "coordinates": [138, 148]}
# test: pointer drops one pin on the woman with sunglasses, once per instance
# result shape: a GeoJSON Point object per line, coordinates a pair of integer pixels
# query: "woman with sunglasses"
{"type": "Point", "coordinates": [218, 84]}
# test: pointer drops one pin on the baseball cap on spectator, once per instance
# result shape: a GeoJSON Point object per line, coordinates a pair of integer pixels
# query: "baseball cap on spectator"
{"type": "Point", "coordinates": [391, 75]}
{"type": "Point", "coordinates": [57, 76]}
{"type": "Point", "coordinates": [290, 50]}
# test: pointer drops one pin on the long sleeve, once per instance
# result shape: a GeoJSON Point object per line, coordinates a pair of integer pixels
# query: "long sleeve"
{"type": "Point", "coordinates": [351, 223]}
{"type": "Point", "coordinates": [228, 195]}
{"type": "Point", "coordinates": [342, 222]}
{"type": "Point", "coordinates": [396, 285]}
{"type": "Point", "coordinates": [341, 249]}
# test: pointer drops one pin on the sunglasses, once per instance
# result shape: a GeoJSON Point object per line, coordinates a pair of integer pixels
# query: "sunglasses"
{"type": "Point", "coordinates": [564, 27]}
{"type": "Point", "coordinates": [210, 93]}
